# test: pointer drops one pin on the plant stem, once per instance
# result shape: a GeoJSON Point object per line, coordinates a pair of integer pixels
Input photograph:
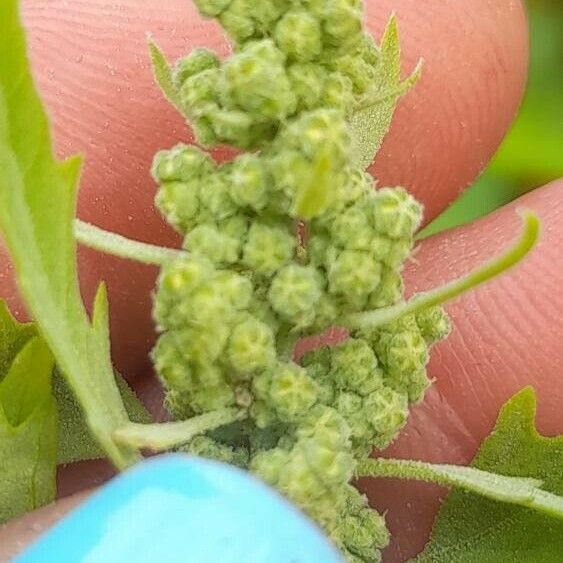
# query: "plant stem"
{"type": "Point", "coordinates": [167, 435]}
{"type": "Point", "coordinates": [512, 490]}
{"type": "Point", "coordinates": [112, 243]}
{"type": "Point", "coordinates": [528, 239]}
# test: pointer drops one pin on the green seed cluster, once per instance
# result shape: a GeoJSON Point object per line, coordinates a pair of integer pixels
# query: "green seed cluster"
{"type": "Point", "coordinates": [291, 57]}
{"type": "Point", "coordinates": [255, 280]}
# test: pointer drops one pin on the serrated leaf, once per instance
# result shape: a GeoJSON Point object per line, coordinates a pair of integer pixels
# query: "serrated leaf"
{"type": "Point", "coordinates": [28, 429]}
{"type": "Point", "coordinates": [13, 336]}
{"type": "Point", "coordinates": [37, 206]}
{"type": "Point", "coordinates": [372, 121]}
{"type": "Point", "coordinates": [471, 529]}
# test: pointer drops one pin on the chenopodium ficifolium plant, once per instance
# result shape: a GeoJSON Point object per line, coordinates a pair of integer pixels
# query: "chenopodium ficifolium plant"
{"type": "Point", "coordinates": [253, 282]}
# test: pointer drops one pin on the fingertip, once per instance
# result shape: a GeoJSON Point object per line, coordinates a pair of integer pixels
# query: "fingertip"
{"type": "Point", "coordinates": [447, 128]}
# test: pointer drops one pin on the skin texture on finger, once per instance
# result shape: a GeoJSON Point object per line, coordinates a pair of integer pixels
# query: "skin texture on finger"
{"type": "Point", "coordinates": [506, 335]}
{"type": "Point", "coordinates": [448, 127]}
{"type": "Point", "coordinates": [91, 64]}
{"type": "Point", "coordinates": [16, 535]}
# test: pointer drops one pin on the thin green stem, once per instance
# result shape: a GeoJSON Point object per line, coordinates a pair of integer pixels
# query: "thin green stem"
{"type": "Point", "coordinates": [512, 490]}
{"type": "Point", "coordinates": [499, 265]}
{"type": "Point", "coordinates": [112, 243]}
{"type": "Point", "coordinates": [167, 435]}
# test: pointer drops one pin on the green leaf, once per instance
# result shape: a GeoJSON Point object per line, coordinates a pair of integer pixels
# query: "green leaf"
{"type": "Point", "coordinates": [13, 336]}
{"type": "Point", "coordinates": [371, 121]}
{"type": "Point", "coordinates": [76, 442]}
{"type": "Point", "coordinates": [28, 427]}
{"type": "Point", "coordinates": [164, 76]}
{"type": "Point", "coordinates": [37, 206]}
{"type": "Point", "coordinates": [473, 529]}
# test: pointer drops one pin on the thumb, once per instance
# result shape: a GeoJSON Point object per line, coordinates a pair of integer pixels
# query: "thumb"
{"type": "Point", "coordinates": [506, 335]}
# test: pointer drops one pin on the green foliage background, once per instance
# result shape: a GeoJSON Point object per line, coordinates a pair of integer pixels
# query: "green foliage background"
{"type": "Point", "coordinates": [532, 153]}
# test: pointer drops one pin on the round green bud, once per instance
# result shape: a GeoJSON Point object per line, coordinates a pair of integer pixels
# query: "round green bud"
{"type": "Point", "coordinates": [352, 229]}
{"type": "Point", "coordinates": [235, 288]}
{"type": "Point", "coordinates": [202, 346]}
{"type": "Point", "coordinates": [326, 426]}
{"type": "Point", "coordinates": [315, 132]}
{"type": "Point", "coordinates": [269, 465]}
{"type": "Point", "coordinates": [255, 81]}
{"type": "Point", "coordinates": [396, 213]}
{"type": "Point", "coordinates": [182, 163]}
{"type": "Point", "coordinates": [215, 196]}
{"type": "Point", "coordinates": [404, 352]}
{"type": "Point", "coordinates": [389, 291]}
{"type": "Point", "coordinates": [292, 392]}
{"type": "Point", "coordinates": [265, 13]}
{"type": "Point", "coordinates": [434, 324]}
{"type": "Point", "coordinates": [415, 385]}
{"type": "Point", "coordinates": [342, 23]}
{"type": "Point", "coordinates": [207, 240]}
{"type": "Point", "coordinates": [179, 203]}
{"type": "Point", "coordinates": [307, 82]}
{"type": "Point", "coordinates": [338, 92]}
{"type": "Point", "coordinates": [387, 412]}
{"type": "Point", "coordinates": [210, 305]}
{"type": "Point", "coordinates": [237, 21]}
{"type": "Point", "coordinates": [249, 182]}
{"type": "Point", "coordinates": [203, 131]}
{"type": "Point", "coordinates": [211, 8]}
{"type": "Point", "coordinates": [290, 169]}
{"type": "Point", "coordinates": [294, 293]}
{"type": "Point", "coordinates": [199, 93]}
{"type": "Point", "coordinates": [171, 365]}
{"type": "Point", "coordinates": [332, 467]}
{"type": "Point", "coordinates": [350, 406]}
{"type": "Point", "coordinates": [363, 533]}
{"type": "Point", "coordinates": [268, 248]}
{"type": "Point", "coordinates": [211, 393]}
{"type": "Point", "coordinates": [354, 273]}
{"type": "Point", "coordinates": [197, 61]}
{"type": "Point", "coordinates": [361, 74]}
{"type": "Point", "coordinates": [354, 367]}
{"type": "Point", "coordinates": [298, 481]}
{"type": "Point", "coordinates": [181, 277]}
{"type": "Point", "coordinates": [298, 35]}
{"type": "Point", "coordinates": [233, 127]}
{"type": "Point", "coordinates": [383, 247]}
{"type": "Point", "coordinates": [251, 346]}
{"type": "Point", "coordinates": [400, 250]}
{"type": "Point", "coordinates": [203, 446]}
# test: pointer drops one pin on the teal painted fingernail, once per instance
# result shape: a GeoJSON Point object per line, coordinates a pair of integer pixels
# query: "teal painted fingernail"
{"type": "Point", "coordinates": [176, 509]}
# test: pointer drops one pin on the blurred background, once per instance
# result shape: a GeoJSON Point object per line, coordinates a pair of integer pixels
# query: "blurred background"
{"type": "Point", "coordinates": [532, 153]}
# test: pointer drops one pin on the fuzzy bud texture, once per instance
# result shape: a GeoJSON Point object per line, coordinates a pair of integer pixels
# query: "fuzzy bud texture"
{"type": "Point", "coordinates": [231, 311]}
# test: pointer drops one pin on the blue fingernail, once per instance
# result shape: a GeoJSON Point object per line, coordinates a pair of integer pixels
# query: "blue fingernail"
{"type": "Point", "coordinates": [178, 508]}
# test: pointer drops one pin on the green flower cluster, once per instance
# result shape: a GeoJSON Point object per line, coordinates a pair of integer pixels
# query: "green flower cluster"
{"type": "Point", "coordinates": [291, 57]}
{"type": "Point", "coordinates": [253, 281]}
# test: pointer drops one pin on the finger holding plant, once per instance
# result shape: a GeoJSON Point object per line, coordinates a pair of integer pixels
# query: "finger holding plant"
{"type": "Point", "coordinates": [252, 280]}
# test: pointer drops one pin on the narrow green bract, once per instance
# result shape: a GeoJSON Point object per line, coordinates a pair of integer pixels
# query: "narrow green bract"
{"type": "Point", "coordinates": [250, 285]}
